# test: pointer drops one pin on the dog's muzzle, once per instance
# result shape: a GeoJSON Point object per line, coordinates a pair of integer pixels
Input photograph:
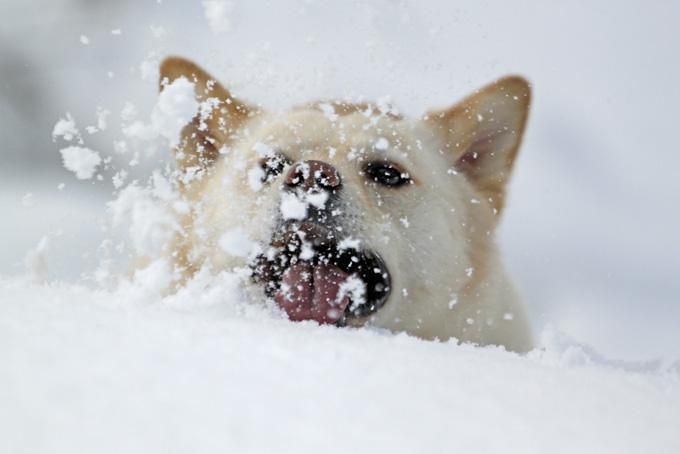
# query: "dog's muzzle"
{"type": "Point", "coordinates": [311, 277]}
{"type": "Point", "coordinates": [307, 270]}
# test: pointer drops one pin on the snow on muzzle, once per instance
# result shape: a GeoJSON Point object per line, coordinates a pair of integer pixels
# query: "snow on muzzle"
{"type": "Point", "coordinates": [310, 278]}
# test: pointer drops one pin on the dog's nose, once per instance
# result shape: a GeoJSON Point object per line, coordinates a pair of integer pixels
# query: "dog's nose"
{"type": "Point", "coordinates": [313, 174]}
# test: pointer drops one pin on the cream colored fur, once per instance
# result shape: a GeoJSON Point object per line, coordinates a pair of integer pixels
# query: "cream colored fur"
{"type": "Point", "coordinates": [436, 235]}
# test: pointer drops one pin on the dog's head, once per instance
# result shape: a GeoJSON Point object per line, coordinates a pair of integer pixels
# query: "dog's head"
{"type": "Point", "coordinates": [349, 212]}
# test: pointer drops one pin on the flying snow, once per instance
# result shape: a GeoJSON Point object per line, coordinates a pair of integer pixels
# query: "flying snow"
{"type": "Point", "coordinates": [151, 223]}
{"type": "Point", "coordinates": [217, 12]}
{"type": "Point", "coordinates": [317, 199]}
{"type": "Point", "coordinates": [382, 144]}
{"type": "Point", "coordinates": [236, 242]}
{"type": "Point", "coordinates": [81, 161]}
{"type": "Point", "coordinates": [175, 108]}
{"type": "Point", "coordinates": [355, 288]}
{"type": "Point", "coordinates": [349, 243]}
{"type": "Point", "coordinates": [102, 115]}
{"type": "Point", "coordinates": [295, 205]}
{"type": "Point", "coordinates": [65, 128]}
{"type": "Point", "coordinates": [255, 177]}
{"type": "Point", "coordinates": [328, 111]}
{"type": "Point", "coordinates": [292, 206]}
{"type": "Point", "coordinates": [263, 150]}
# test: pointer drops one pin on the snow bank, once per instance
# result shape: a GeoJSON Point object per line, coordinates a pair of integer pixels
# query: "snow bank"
{"type": "Point", "coordinates": [128, 371]}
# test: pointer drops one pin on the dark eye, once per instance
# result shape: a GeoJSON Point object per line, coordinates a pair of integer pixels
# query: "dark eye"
{"type": "Point", "coordinates": [387, 174]}
{"type": "Point", "coordinates": [273, 166]}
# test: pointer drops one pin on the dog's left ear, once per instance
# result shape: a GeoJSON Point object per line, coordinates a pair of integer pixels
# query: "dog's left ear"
{"type": "Point", "coordinates": [483, 133]}
{"type": "Point", "coordinates": [221, 114]}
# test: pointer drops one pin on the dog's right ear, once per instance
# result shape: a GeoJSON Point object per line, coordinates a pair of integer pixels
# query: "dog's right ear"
{"type": "Point", "coordinates": [483, 133]}
{"type": "Point", "coordinates": [219, 118]}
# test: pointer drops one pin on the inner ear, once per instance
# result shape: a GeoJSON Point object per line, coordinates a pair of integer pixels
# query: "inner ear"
{"type": "Point", "coordinates": [483, 132]}
{"type": "Point", "coordinates": [219, 118]}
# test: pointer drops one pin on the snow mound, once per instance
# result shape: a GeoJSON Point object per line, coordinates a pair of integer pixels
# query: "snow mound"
{"type": "Point", "coordinates": [127, 370]}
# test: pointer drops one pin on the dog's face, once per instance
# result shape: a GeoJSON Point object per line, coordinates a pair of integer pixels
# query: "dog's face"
{"type": "Point", "coordinates": [346, 213]}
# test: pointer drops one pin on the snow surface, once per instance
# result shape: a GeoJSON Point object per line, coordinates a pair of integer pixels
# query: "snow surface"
{"type": "Point", "coordinates": [127, 371]}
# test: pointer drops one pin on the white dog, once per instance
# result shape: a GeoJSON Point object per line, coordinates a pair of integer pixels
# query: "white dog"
{"type": "Point", "coordinates": [350, 214]}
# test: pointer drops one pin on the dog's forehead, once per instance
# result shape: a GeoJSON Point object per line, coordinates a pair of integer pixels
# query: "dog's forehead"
{"type": "Point", "coordinates": [310, 130]}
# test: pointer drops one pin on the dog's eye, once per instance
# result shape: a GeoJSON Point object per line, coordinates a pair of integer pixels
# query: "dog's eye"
{"type": "Point", "coordinates": [273, 166]}
{"type": "Point", "coordinates": [387, 174]}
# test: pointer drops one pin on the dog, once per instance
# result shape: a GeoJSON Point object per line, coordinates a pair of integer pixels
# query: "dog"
{"type": "Point", "coordinates": [350, 214]}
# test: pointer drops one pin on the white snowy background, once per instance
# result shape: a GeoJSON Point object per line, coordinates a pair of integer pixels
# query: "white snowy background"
{"type": "Point", "coordinates": [590, 235]}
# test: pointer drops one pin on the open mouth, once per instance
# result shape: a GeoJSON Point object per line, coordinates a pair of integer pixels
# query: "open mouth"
{"type": "Point", "coordinates": [312, 276]}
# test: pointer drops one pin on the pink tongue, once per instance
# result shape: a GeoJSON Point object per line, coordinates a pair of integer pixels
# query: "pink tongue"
{"type": "Point", "coordinates": [312, 293]}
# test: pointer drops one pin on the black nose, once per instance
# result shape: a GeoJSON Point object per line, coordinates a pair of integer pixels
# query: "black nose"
{"type": "Point", "coordinates": [313, 174]}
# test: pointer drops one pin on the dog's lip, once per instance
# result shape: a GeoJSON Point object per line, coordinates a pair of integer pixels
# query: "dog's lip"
{"type": "Point", "coordinates": [368, 265]}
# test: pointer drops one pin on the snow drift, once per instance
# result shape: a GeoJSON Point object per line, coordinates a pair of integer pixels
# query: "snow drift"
{"type": "Point", "coordinates": [202, 371]}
